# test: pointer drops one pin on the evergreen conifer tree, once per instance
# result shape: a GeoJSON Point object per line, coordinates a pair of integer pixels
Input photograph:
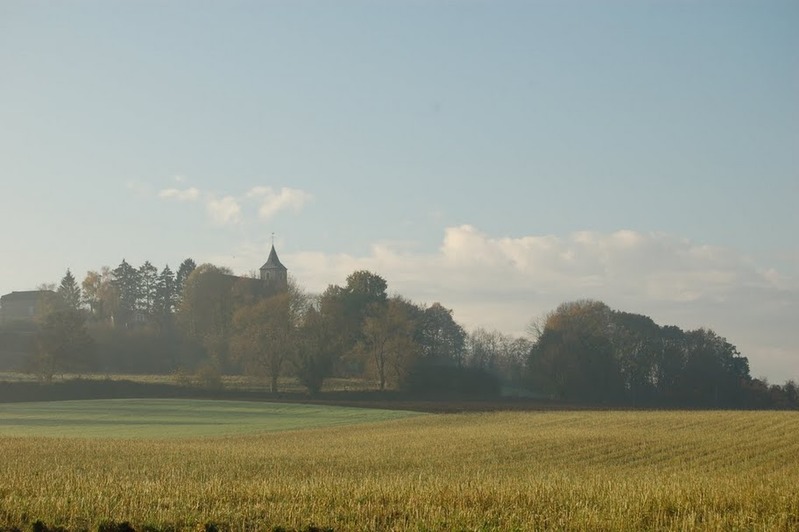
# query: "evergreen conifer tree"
{"type": "Point", "coordinates": [69, 291]}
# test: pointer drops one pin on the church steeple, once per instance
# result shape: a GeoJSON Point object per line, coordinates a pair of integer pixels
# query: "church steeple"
{"type": "Point", "coordinates": [273, 271]}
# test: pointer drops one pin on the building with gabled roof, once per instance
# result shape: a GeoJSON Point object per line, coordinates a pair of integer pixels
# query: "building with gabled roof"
{"type": "Point", "coordinates": [23, 306]}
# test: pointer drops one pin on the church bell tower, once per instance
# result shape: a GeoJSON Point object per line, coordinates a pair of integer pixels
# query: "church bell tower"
{"type": "Point", "coordinates": [273, 273]}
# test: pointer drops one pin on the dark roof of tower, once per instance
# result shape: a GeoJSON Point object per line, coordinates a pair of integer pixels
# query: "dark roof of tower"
{"type": "Point", "coordinates": [273, 263]}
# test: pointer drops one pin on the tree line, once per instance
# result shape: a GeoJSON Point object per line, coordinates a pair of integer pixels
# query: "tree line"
{"type": "Point", "coordinates": [204, 320]}
{"type": "Point", "coordinates": [586, 352]}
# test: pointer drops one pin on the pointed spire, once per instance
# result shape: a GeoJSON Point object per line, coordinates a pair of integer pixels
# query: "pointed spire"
{"type": "Point", "coordinates": [273, 263]}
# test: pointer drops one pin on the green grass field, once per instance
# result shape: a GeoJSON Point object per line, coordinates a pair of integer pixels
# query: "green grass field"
{"type": "Point", "coordinates": [497, 471]}
{"type": "Point", "coordinates": [173, 418]}
{"type": "Point", "coordinates": [229, 382]}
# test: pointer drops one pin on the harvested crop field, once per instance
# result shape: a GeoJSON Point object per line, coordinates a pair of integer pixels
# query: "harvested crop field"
{"type": "Point", "coordinates": [487, 471]}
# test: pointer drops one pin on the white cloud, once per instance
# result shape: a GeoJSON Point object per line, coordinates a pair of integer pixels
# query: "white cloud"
{"type": "Point", "coordinates": [228, 210]}
{"type": "Point", "coordinates": [272, 202]}
{"type": "Point", "coordinates": [187, 194]}
{"type": "Point", "coordinates": [224, 211]}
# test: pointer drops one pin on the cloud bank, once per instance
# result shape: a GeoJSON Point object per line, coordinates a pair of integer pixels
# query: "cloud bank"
{"type": "Point", "coordinates": [625, 264]}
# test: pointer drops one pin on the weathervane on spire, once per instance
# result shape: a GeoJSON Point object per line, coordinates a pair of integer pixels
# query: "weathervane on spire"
{"type": "Point", "coordinates": [273, 238]}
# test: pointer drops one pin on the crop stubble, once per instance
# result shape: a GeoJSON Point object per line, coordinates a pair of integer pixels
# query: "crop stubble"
{"type": "Point", "coordinates": [557, 470]}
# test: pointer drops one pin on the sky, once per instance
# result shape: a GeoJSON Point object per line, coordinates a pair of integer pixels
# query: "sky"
{"type": "Point", "coordinates": [499, 157]}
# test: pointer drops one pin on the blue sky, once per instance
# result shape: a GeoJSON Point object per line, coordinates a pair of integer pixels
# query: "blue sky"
{"type": "Point", "coordinates": [499, 157]}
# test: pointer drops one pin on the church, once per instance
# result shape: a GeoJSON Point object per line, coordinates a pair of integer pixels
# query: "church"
{"type": "Point", "coordinates": [274, 274]}
{"type": "Point", "coordinates": [272, 279]}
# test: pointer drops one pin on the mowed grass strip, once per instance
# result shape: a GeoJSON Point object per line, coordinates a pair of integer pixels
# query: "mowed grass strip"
{"type": "Point", "coordinates": [173, 418]}
{"type": "Point", "coordinates": [499, 471]}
